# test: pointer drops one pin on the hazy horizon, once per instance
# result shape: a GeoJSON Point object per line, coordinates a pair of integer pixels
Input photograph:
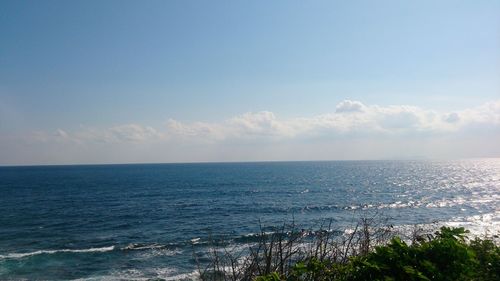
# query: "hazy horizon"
{"type": "Point", "coordinates": [255, 162]}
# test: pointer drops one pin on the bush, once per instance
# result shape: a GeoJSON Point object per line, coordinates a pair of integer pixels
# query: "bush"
{"type": "Point", "coordinates": [444, 256]}
{"type": "Point", "coordinates": [487, 258]}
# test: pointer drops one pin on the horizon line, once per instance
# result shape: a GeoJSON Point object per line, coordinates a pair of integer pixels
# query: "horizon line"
{"type": "Point", "coordinates": [243, 162]}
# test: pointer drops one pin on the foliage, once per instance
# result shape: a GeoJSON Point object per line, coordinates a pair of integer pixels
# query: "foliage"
{"type": "Point", "coordinates": [444, 256]}
{"type": "Point", "coordinates": [278, 252]}
{"type": "Point", "coordinates": [488, 259]}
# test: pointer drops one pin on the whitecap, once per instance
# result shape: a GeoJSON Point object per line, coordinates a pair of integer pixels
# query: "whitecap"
{"type": "Point", "coordinates": [41, 252]}
{"type": "Point", "coordinates": [137, 246]}
{"type": "Point", "coordinates": [167, 274]}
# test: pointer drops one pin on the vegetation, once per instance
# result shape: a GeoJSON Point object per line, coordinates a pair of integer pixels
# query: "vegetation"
{"type": "Point", "coordinates": [445, 256]}
{"type": "Point", "coordinates": [366, 253]}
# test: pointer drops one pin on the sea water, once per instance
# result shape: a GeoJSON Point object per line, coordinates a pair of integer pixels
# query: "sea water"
{"type": "Point", "coordinates": [135, 222]}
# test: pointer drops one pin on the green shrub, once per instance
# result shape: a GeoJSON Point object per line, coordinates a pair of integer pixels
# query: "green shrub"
{"type": "Point", "coordinates": [445, 256]}
{"type": "Point", "coordinates": [488, 259]}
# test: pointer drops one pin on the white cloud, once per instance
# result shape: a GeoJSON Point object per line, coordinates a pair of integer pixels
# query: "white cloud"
{"type": "Point", "coordinates": [353, 131]}
{"type": "Point", "coordinates": [62, 134]}
{"type": "Point", "coordinates": [349, 106]}
{"type": "Point", "coordinates": [193, 130]}
{"type": "Point", "coordinates": [133, 133]}
{"type": "Point", "coordinates": [350, 117]}
{"type": "Point", "coordinates": [451, 117]}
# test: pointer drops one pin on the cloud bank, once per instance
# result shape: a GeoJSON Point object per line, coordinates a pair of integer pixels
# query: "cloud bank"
{"type": "Point", "coordinates": [384, 128]}
{"type": "Point", "coordinates": [350, 118]}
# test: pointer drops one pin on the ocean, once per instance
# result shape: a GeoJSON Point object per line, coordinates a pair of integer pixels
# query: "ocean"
{"type": "Point", "coordinates": [142, 221]}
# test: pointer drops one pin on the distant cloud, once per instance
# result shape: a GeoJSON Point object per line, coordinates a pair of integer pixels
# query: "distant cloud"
{"type": "Point", "coordinates": [117, 134]}
{"type": "Point", "coordinates": [133, 132]}
{"type": "Point", "coordinates": [62, 134]}
{"type": "Point", "coordinates": [349, 106]}
{"type": "Point", "coordinates": [353, 131]}
{"type": "Point", "coordinates": [350, 117]}
{"type": "Point", "coordinates": [451, 117]}
{"type": "Point", "coordinates": [395, 119]}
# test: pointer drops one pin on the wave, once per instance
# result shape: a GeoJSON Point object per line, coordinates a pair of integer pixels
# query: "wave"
{"type": "Point", "coordinates": [153, 250]}
{"type": "Point", "coordinates": [49, 252]}
{"type": "Point", "coordinates": [139, 246]}
{"type": "Point", "coordinates": [172, 250]}
{"type": "Point", "coordinates": [195, 240]}
{"type": "Point", "coordinates": [167, 274]}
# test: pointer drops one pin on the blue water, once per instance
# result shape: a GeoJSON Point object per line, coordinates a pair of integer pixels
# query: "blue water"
{"type": "Point", "coordinates": [125, 222]}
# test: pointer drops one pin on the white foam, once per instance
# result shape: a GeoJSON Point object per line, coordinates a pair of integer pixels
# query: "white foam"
{"type": "Point", "coordinates": [136, 246]}
{"type": "Point", "coordinates": [168, 274]}
{"type": "Point", "coordinates": [183, 276]}
{"type": "Point", "coordinates": [159, 252]}
{"type": "Point", "coordinates": [483, 225]}
{"type": "Point", "coordinates": [195, 240]}
{"type": "Point", "coordinates": [41, 252]}
{"type": "Point", "coordinates": [152, 250]}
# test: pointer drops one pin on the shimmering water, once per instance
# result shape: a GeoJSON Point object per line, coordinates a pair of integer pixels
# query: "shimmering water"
{"type": "Point", "coordinates": [140, 221]}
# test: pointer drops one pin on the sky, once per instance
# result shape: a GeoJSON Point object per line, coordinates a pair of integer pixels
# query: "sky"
{"type": "Point", "coordinates": [86, 82]}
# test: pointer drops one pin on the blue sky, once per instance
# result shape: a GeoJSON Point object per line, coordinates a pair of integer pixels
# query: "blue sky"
{"type": "Point", "coordinates": [95, 69]}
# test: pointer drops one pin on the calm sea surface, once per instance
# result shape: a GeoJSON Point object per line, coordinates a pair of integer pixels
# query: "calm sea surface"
{"type": "Point", "coordinates": [116, 222]}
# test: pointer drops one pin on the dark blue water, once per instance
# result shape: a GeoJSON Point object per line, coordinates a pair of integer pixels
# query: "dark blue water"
{"type": "Point", "coordinates": [140, 221]}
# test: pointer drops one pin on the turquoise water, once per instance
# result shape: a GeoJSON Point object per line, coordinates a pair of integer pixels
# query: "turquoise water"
{"type": "Point", "coordinates": [114, 222]}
